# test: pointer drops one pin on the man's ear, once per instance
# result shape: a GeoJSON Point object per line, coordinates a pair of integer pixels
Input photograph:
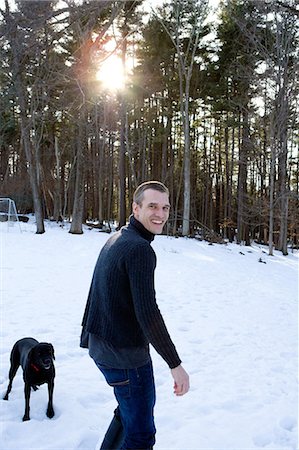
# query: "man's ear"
{"type": "Point", "coordinates": [135, 207]}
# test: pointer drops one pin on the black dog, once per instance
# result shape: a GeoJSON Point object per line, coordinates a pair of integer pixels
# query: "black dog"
{"type": "Point", "coordinates": [36, 360]}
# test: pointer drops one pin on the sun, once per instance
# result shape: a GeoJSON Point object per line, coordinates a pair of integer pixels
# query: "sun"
{"type": "Point", "coordinates": [111, 73]}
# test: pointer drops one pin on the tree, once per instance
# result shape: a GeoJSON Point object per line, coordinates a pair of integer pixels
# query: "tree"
{"type": "Point", "coordinates": [285, 76]}
{"type": "Point", "coordinates": [25, 32]}
{"type": "Point", "coordinates": [238, 61]}
{"type": "Point", "coordinates": [125, 22]}
{"type": "Point", "coordinates": [185, 27]}
{"type": "Point", "coordinates": [241, 103]}
{"type": "Point", "coordinates": [277, 44]}
{"type": "Point", "coordinates": [85, 22]}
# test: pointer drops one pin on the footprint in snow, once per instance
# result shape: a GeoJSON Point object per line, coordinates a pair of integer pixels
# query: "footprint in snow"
{"type": "Point", "coordinates": [288, 423]}
{"type": "Point", "coordinates": [262, 439]}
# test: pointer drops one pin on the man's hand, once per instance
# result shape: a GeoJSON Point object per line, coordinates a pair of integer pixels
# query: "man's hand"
{"type": "Point", "coordinates": [181, 380]}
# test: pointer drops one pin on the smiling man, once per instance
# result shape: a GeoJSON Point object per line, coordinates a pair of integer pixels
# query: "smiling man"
{"type": "Point", "coordinates": [122, 317]}
{"type": "Point", "coordinates": [151, 207]}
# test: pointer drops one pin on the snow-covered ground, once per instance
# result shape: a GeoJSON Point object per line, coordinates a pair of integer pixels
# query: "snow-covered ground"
{"type": "Point", "coordinates": [233, 319]}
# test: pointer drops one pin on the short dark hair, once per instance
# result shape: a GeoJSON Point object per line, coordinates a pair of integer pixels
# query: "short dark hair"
{"type": "Point", "coordinates": [155, 185]}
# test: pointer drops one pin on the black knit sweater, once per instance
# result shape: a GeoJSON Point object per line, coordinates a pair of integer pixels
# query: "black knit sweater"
{"type": "Point", "coordinates": [121, 306]}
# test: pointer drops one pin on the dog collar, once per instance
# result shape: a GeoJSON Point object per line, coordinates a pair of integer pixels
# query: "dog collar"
{"type": "Point", "coordinates": [34, 367]}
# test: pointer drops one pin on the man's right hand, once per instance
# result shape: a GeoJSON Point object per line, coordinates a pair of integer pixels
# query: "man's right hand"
{"type": "Point", "coordinates": [181, 380]}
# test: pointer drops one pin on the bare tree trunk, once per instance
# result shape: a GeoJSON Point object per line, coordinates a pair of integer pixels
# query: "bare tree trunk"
{"type": "Point", "coordinates": [100, 174]}
{"type": "Point", "coordinates": [178, 193]}
{"type": "Point", "coordinates": [110, 177]}
{"type": "Point", "coordinates": [132, 172]}
{"type": "Point", "coordinates": [122, 168]}
{"type": "Point", "coordinates": [122, 150]}
{"type": "Point", "coordinates": [242, 225]}
{"type": "Point", "coordinates": [57, 182]}
{"type": "Point", "coordinates": [283, 235]}
{"type": "Point", "coordinates": [78, 205]}
{"type": "Point", "coordinates": [165, 142]}
{"type": "Point", "coordinates": [187, 176]}
{"type": "Point", "coordinates": [271, 200]}
{"type": "Point", "coordinates": [227, 188]}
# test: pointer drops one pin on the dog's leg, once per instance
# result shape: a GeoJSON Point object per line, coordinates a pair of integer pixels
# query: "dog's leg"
{"type": "Point", "coordinates": [12, 373]}
{"type": "Point", "coordinates": [50, 409]}
{"type": "Point", "coordinates": [8, 390]}
{"type": "Point", "coordinates": [27, 400]}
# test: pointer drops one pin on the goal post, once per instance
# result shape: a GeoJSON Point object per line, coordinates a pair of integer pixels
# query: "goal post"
{"type": "Point", "coordinates": [8, 212]}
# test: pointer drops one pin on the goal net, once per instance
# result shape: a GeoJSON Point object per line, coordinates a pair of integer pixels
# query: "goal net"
{"type": "Point", "coordinates": [8, 212]}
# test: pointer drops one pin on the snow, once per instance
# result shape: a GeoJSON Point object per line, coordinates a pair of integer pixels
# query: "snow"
{"type": "Point", "coordinates": [234, 321]}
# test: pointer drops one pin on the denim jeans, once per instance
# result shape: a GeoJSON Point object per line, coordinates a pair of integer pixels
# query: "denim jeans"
{"type": "Point", "coordinates": [134, 390]}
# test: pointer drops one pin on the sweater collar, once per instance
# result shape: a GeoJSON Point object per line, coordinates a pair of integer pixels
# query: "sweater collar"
{"type": "Point", "coordinates": [134, 223]}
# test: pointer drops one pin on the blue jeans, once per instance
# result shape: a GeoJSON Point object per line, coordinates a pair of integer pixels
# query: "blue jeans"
{"type": "Point", "coordinates": [134, 390]}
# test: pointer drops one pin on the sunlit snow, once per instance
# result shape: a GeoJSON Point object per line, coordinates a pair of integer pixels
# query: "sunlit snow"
{"type": "Point", "coordinates": [233, 320]}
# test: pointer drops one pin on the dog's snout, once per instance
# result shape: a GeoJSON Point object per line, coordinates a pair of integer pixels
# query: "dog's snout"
{"type": "Point", "coordinates": [47, 362]}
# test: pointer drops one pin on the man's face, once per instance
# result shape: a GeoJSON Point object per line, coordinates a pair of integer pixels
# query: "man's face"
{"type": "Point", "coordinates": [153, 211]}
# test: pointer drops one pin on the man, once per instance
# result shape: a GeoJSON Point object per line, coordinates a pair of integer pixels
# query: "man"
{"type": "Point", "coordinates": [122, 317]}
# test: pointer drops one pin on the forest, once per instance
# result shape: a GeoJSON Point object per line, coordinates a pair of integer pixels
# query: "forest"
{"type": "Point", "coordinates": [204, 100]}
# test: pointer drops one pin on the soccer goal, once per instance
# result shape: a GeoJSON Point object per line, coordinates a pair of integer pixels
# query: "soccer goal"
{"type": "Point", "coordinates": [8, 213]}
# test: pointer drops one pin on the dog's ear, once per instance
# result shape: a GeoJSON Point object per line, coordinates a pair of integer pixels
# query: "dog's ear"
{"type": "Point", "coordinates": [52, 350]}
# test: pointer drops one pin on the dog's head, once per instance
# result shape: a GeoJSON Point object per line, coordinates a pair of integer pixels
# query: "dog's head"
{"type": "Point", "coordinates": [42, 355]}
